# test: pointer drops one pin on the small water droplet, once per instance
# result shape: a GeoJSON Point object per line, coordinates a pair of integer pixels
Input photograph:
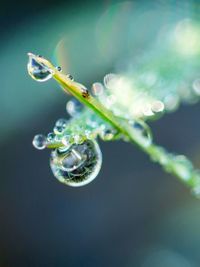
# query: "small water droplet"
{"type": "Point", "coordinates": [108, 133]}
{"type": "Point", "coordinates": [97, 89]}
{"type": "Point", "coordinates": [157, 106]}
{"type": "Point", "coordinates": [171, 102]}
{"type": "Point", "coordinates": [196, 86]}
{"type": "Point", "coordinates": [74, 107]}
{"type": "Point", "coordinates": [39, 141]}
{"type": "Point", "coordinates": [109, 79]}
{"type": "Point", "coordinates": [59, 68]}
{"type": "Point", "coordinates": [182, 166]}
{"type": "Point", "coordinates": [78, 164]}
{"type": "Point", "coordinates": [69, 76]}
{"type": "Point", "coordinates": [38, 71]}
{"type": "Point", "coordinates": [58, 129]}
{"type": "Point", "coordinates": [67, 140]}
{"type": "Point", "coordinates": [50, 137]}
{"type": "Point", "coordinates": [61, 123]}
{"type": "Point", "coordinates": [142, 132]}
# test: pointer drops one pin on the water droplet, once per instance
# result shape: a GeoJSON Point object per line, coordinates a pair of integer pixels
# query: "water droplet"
{"type": "Point", "coordinates": [171, 102]}
{"type": "Point", "coordinates": [67, 140]}
{"type": "Point", "coordinates": [108, 133]}
{"type": "Point", "coordinates": [142, 132]}
{"type": "Point", "coordinates": [74, 107]}
{"type": "Point", "coordinates": [69, 76]}
{"type": "Point", "coordinates": [39, 141]}
{"type": "Point", "coordinates": [59, 68]}
{"type": "Point", "coordinates": [109, 79]}
{"type": "Point", "coordinates": [58, 129]}
{"type": "Point", "coordinates": [157, 106]}
{"type": "Point", "coordinates": [182, 166]}
{"type": "Point", "coordinates": [196, 86]}
{"type": "Point", "coordinates": [78, 164]}
{"type": "Point", "coordinates": [50, 137]}
{"type": "Point", "coordinates": [97, 89]}
{"type": "Point", "coordinates": [61, 123]}
{"type": "Point", "coordinates": [38, 71]}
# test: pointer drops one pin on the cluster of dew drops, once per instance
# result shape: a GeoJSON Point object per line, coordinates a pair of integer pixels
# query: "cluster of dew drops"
{"type": "Point", "coordinates": [76, 157]}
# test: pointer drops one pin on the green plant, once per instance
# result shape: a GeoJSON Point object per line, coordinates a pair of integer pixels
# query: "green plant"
{"type": "Point", "coordinates": [107, 110]}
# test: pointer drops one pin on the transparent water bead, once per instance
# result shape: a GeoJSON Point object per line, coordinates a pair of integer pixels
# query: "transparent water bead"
{"type": "Point", "coordinates": [110, 79]}
{"type": "Point", "coordinates": [60, 125]}
{"type": "Point", "coordinates": [38, 71]}
{"type": "Point", "coordinates": [97, 89]}
{"type": "Point", "coordinates": [39, 141]}
{"type": "Point", "coordinates": [108, 133]}
{"type": "Point", "coordinates": [78, 164]}
{"type": "Point", "coordinates": [142, 132]}
{"type": "Point", "coordinates": [183, 167]}
{"type": "Point", "coordinates": [74, 107]}
{"type": "Point", "coordinates": [51, 137]}
{"type": "Point", "coordinates": [196, 86]}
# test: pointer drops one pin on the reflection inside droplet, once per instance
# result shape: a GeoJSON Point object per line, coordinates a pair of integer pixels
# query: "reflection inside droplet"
{"type": "Point", "coordinates": [38, 71]}
{"type": "Point", "coordinates": [39, 141]}
{"type": "Point", "coordinates": [78, 164]}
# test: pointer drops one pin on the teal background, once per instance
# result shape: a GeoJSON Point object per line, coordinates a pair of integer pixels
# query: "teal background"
{"type": "Point", "coordinates": [133, 214]}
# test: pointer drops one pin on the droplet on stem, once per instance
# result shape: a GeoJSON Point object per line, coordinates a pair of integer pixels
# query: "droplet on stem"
{"type": "Point", "coordinates": [97, 89]}
{"type": "Point", "coordinates": [37, 70]}
{"type": "Point", "coordinates": [73, 107]}
{"type": "Point", "coordinates": [142, 132]}
{"type": "Point", "coordinates": [39, 141]}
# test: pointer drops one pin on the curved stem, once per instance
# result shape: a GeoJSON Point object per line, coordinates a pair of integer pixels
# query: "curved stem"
{"type": "Point", "coordinates": [179, 166]}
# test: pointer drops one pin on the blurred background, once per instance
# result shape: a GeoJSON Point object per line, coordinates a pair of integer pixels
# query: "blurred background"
{"type": "Point", "coordinates": [133, 214]}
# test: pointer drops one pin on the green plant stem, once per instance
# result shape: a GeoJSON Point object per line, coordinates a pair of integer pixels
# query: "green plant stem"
{"type": "Point", "coordinates": [185, 172]}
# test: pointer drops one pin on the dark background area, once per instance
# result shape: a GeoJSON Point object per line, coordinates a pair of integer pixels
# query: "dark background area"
{"type": "Point", "coordinates": [133, 214]}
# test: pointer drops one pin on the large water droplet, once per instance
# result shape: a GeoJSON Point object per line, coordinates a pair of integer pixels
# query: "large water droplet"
{"type": "Point", "coordinates": [74, 107]}
{"type": "Point", "coordinates": [78, 164]}
{"type": "Point", "coordinates": [38, 71]}
{"type": "Point", "coordinates": [39, 141]}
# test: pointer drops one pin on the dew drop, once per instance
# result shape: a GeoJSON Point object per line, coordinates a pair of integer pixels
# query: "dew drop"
{"type": "Point", "coordinates": [78, 164]}
{"type": "Point", "coordinates": [39, 141]}
{"type": "Point", "coordinates": [109, 79]}
{"type": "Point", "coordinates": [60, 126]}
{"type": "Point", "coordinates": [182, 166]}
{"type": "Point", "coordinates": [142, 132]}
{"type": "Point", "coordinates": [157, 106]}
{"type": "Point", "coordinates": [69, 76]}
{"type": "Point", "coordinates": [59, 68]}
{"type": "Point", "coordinates": [50, 137]}
{"type": "Point", "coordinates": [61, 123]}
{"type": "Point", "coordinates": [74, 107]}
{"type": "Point", "coordinates": [97, 89]}
{"type": "Point", "coordinates": [196, 86]}
{"type": "Point", "coordinates": [38, 71]}
{"type": "Point", "coordinates": [108, 133]}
